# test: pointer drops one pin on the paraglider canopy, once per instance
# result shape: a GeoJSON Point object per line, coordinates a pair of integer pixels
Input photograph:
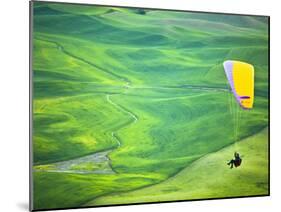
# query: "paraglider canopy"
{"type": "Point", "coordinates": [240, 76]}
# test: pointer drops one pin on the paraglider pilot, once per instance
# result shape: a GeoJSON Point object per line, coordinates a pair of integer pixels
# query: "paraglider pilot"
{"type": "Point", "coordinates": [236, 161]}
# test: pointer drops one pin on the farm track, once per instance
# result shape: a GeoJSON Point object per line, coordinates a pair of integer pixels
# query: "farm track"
{"type": "Point", "coordinates": [61, 48]}
{"type": "Point", "coordinates": [127, 81]}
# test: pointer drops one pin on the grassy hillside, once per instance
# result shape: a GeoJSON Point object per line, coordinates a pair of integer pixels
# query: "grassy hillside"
{"type": "Point", "coordinates": [208, 177]}
{"type": "Point", "coordinates": [143, 93]}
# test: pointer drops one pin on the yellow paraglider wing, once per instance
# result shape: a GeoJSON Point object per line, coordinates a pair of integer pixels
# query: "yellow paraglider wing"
{"type": "Point", "coordinates": [240, 76]}
{"type": "Point", "coordinates": [243, 77]}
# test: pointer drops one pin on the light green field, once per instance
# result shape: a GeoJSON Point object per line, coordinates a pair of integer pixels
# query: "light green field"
{"type": "Point", "coordinates": [132, 103]}
{"type": "Point", "coordinates": [199, 180]}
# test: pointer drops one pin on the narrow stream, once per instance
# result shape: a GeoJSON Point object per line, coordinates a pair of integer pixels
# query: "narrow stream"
{"type": "Point", "coordinates": [96, 163]}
